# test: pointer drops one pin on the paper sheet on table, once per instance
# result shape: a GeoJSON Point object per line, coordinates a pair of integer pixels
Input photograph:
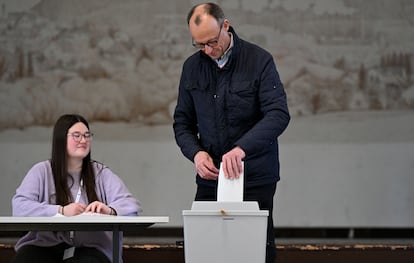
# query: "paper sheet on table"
{"type": "Point", "coordinates": [84, 214]}
{"type": "Point", "coordinates": [230, 190]}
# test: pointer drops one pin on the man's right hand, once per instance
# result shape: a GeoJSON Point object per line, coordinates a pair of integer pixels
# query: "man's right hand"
{"type": "Point", "coordinates": [205, 166]}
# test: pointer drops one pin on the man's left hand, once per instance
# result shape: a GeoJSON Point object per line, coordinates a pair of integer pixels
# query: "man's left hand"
{"type": "Point", "coordinates": [232, 163]}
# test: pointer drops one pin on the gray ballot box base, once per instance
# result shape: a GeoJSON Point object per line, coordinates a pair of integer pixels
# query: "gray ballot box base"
{"type": "Point", "coordinates": [225, 232]}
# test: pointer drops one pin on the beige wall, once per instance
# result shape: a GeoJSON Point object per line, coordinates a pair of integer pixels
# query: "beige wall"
{"type": "Point", "coordinates": [346, 157]}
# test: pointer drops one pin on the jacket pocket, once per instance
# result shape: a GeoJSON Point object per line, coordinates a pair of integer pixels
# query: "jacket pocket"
{"type": "Point", "coordinates": [202, 100]}
{"type": "Point", "coordinates": [242, 94]}
{"type": "Point", "coordinates": [194, 85]}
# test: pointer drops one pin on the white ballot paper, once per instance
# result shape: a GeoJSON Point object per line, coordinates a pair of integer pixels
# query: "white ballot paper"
{"type": "Point", "coordinates": [230, 190]}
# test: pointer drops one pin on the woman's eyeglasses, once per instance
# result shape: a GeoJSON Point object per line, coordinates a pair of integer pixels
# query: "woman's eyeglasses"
{"type": "Point", "coordinates": [77, 136]}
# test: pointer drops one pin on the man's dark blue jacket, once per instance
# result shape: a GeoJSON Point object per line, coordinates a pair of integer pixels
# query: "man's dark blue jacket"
{"type": "Point", "coordinates": [243, 104]}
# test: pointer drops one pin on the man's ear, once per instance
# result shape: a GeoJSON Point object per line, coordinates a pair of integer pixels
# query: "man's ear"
{"type": "Point", "coordinates": [226, 24]}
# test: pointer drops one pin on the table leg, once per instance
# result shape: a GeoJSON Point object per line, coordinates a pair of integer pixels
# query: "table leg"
{"type": "Point", "coordinates": [115, 244]}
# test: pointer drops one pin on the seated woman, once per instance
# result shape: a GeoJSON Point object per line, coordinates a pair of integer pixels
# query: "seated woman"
{"type": "Point", "coordinates": [69, 184]}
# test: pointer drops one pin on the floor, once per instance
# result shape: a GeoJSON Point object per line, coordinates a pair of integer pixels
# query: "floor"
{"type": "Point", "coordinates": [289, 250]}
{"type": "Point", "coordinates": [293, 246]}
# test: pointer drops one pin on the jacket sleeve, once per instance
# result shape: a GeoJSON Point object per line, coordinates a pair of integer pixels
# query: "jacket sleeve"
{"type": "Point", "coordinates": [273, 105]}
{"type": "Point", "coordinates": [32, 196]}
{"type": "Point", "coordinates": [185, 120]}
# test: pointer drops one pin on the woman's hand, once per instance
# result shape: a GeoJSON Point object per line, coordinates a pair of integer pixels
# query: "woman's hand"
{"type": "Point", "coordinates": [73, 209]}
{"type": "Point", "coordinates": [99, 207]}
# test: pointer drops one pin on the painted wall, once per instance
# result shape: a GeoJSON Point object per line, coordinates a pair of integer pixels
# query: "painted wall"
{"type": "Point", "coordinates": [347, 158]}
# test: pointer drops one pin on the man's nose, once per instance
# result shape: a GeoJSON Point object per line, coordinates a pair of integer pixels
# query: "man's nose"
{"type": "Point", "coordinates": [207, 49]}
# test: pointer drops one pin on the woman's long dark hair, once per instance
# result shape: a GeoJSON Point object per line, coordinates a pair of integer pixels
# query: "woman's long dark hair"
{"type": "Point", "coordinates": [60, 166]}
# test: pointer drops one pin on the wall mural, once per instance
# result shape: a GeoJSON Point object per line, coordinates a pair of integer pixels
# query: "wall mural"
{"type": "Point", "coordinates": [121, 61]}
{"type": "Point", "coordinates": [347, 66]}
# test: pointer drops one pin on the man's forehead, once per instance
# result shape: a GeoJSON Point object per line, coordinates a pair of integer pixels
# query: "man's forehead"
{"type": "Point", "coordinates": [198, 18]}
{"type": "Point", "coordinates": [203, 21]}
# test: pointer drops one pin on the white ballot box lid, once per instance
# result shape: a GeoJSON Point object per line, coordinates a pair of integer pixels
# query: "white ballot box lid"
{"type": "Point", "coordinates": [225, 208]}
{"type": "Point", "coordinates": [213, 205]}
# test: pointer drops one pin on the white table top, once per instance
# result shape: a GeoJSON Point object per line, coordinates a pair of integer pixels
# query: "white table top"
{"type": "Point", "coordinates": [79, 223]}
{"type": "Point", "coordinates": [85, 219]}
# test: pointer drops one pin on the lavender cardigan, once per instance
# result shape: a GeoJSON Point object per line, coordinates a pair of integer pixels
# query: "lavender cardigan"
{"type": "Point", "coordinates": [36, 197]}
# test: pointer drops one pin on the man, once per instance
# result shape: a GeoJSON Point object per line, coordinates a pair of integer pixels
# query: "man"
{"type": "Point", "coordinates": [231, 107]}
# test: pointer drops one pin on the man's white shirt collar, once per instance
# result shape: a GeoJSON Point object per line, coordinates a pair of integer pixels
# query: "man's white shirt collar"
{"type": "Point", "coordinates": [221, 61]}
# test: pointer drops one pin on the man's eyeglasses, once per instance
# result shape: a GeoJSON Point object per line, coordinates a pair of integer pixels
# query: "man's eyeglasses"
{"type": "Point", "coordinates": [211, 43]}
{"type": "Point", "coordinates": [77, 136]}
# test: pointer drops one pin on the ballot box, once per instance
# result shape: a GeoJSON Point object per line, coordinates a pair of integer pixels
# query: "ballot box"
{"type": "Point", "coordinates": [225, 232]}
